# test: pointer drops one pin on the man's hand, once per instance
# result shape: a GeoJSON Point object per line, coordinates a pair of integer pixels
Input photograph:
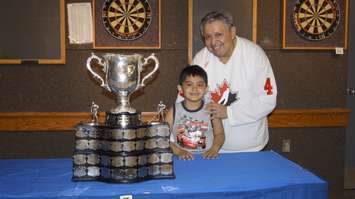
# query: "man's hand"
{"type": "Point", "coordinates": [216, 110]}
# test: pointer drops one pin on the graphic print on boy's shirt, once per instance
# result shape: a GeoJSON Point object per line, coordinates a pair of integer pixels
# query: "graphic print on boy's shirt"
{"type": "Point", "coordinates": [191, 133]}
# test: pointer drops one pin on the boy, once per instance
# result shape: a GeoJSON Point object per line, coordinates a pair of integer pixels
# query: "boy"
{"type": "Point", "coordinates": [192, 129]}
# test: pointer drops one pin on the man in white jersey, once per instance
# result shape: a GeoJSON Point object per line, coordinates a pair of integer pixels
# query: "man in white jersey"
{"type": "Point", "coordinates": [242, 84]}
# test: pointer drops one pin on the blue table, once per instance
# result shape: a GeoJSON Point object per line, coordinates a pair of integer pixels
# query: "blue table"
{"type": "Point", "coordinates": [254, 175]}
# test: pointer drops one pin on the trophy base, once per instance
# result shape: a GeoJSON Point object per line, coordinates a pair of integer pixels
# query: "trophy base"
{"type": "Point", "coordinates": [117, 155]}
{"type": "Point", "coordinates": [122, 120]}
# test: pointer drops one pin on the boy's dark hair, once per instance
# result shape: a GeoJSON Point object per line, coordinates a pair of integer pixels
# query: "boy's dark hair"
{"type": "Point", "coordinates": [193, 70]}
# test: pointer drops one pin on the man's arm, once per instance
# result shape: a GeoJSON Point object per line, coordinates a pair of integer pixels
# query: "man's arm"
{"type": "Point", "coordinates": [259, 99]}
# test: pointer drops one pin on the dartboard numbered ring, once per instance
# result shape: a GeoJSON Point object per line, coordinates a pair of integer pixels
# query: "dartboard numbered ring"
{"type": "Point", "coordinates": [316, 20]}
{"type": "Point", "coordinates": [126, 19]}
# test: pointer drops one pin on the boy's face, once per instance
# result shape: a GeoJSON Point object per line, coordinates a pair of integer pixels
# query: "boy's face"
{"type": "Point", "coordinates": [193, 88]}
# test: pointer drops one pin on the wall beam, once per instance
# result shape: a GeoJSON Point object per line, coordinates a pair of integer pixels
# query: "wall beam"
{"type": "Point", "coordinates": [66, 121]}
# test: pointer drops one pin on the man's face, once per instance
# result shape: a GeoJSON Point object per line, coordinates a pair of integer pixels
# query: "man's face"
{"type": "Point", "coordinates": [219, 39]}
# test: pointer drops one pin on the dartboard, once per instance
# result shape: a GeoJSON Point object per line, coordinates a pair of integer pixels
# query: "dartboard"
{"type": "Point", "coordinates": [126, 19]}
{"type": "Point", "coordinates": [316, 20]}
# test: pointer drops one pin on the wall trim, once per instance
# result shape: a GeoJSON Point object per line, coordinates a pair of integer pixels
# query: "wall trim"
{"type": "Point", "coordinates": [304, 118]}
{"type": "Point", "coordinates": [66, 121]}
{"type": "Point", "coordinates": [349, 177]}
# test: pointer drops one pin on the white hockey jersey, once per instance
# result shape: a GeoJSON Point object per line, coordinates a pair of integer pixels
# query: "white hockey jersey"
{"type": "Point", "coordinates": [246, 85]}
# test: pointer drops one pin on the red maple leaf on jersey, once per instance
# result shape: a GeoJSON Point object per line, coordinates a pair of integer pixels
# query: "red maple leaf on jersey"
{"type": "Point", "coordinates": [223, 95]}
{"type": "Point", "coordinates": [217, 95]}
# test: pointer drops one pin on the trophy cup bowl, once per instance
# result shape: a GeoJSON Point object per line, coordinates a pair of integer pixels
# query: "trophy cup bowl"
{"type": "Point", "coordinates": [122, 77]}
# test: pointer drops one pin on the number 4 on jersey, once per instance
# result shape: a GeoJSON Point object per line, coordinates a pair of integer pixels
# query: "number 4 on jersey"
{"type": "Point", "coordinates": [268, 87]}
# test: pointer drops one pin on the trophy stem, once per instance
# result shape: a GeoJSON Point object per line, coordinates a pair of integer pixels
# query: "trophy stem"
{"type": "Point", "coordinates": [123, 104]}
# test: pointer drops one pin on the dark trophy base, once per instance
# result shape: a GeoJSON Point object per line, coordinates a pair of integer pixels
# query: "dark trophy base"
{"type": "Point", "coordinates": [119, 153]}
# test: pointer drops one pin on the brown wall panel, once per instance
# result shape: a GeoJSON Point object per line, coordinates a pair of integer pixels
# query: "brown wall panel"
{"type": "Point", "coordinates": [317, 150]}
{"type": "Point", "coordinates": [269, 29]}
{"type": "Point", "coordinates": [69, 87]}
{"type": "Point", "coordinates": [36, 145]}
{"type": "Point", "coordinates": [309, 79]}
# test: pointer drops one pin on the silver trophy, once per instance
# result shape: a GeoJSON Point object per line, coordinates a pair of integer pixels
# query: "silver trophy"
{"type": "Point", "coordinates": [123, 149]}
{"type": "Point", "coordinates": [122, 76]}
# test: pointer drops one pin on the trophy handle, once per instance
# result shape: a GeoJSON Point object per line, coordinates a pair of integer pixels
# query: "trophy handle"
{"type": "Point", "coordinates": [93, 73]}
{"type": "Point", "coordinates": [152, 56]}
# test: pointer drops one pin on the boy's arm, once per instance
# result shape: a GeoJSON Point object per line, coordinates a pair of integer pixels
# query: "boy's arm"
{"type": "Point", "coordinates": [182, 154]}
{"type": "Point", "coordinates": [218, 134]}
{"type": "Point", "coordinates": [169, 118]}
{"type": "Point", "coordinates": [218, 139]}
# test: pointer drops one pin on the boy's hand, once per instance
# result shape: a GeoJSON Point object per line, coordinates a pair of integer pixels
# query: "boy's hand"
{"type": "Point", "coordinates": [185, 155]}
{"type": "Point", "coordinates": [212, 153]}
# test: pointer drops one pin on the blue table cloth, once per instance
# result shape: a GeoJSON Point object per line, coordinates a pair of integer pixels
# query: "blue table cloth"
{"type": "Point", "coordinates": [253, 175]}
